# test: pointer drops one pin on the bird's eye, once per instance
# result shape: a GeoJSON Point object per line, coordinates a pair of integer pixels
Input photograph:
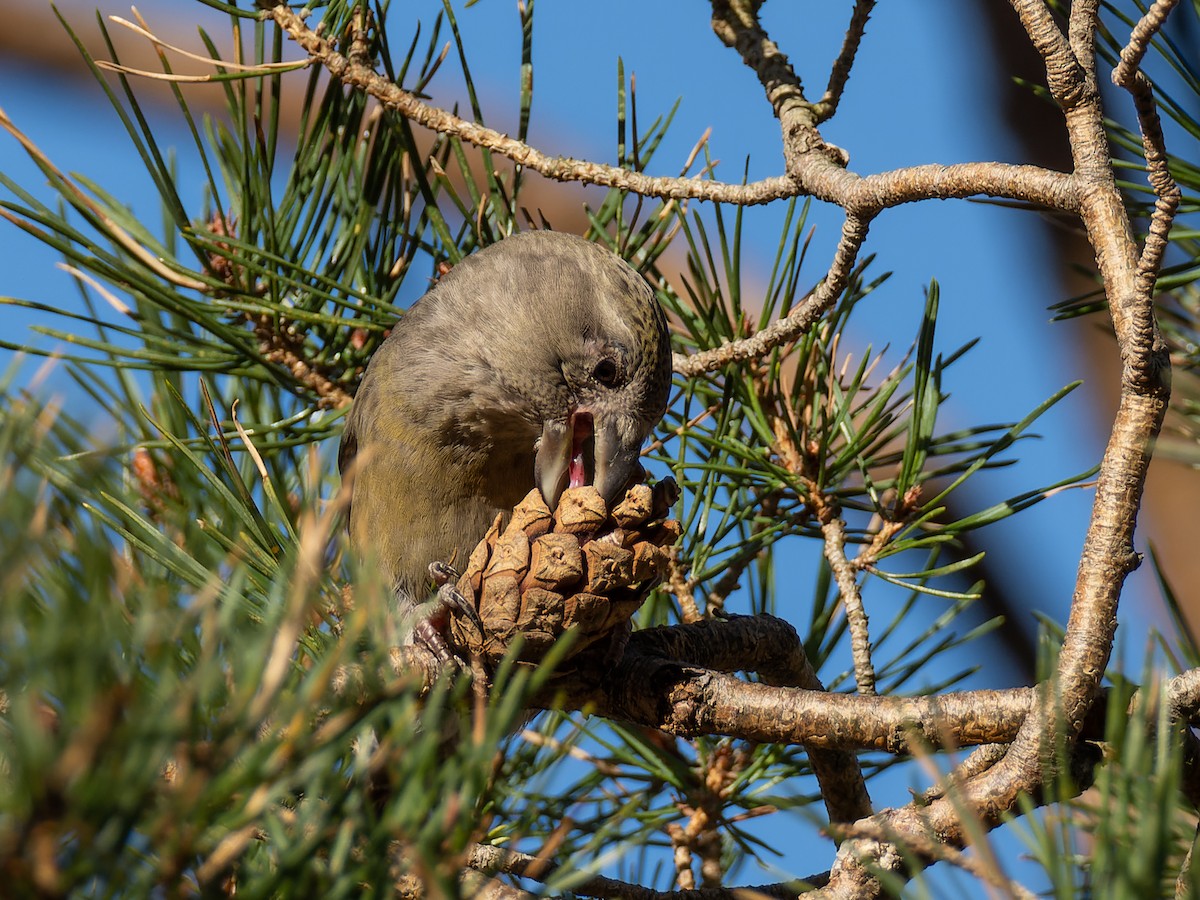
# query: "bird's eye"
{"type": "Point", "coordinates": [606, 372]}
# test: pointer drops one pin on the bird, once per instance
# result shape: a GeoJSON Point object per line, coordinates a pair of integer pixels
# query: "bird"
{"type": "Point", "coordinates": [541, 361]}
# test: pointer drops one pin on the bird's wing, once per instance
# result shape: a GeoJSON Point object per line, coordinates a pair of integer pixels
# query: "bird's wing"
{"type": "Point", "coordinates": [349, 446]}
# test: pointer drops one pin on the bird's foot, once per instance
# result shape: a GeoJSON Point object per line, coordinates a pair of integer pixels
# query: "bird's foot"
{"type": "Point", "coordinates": [449, 597]}
{"type": "Point", "coordinates": [428, 635]}
{"type": "Point", "coordinates": [430, 629]}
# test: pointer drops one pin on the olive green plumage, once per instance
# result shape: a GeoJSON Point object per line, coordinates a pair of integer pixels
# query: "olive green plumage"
{"type": "Point", "coordinates": [489, 386]}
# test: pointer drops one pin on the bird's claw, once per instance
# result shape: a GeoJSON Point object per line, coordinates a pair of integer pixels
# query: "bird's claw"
{"type": "Point", "coordinates": [449, 597]}
{"type": "Point", "coordinates": [429, 629]}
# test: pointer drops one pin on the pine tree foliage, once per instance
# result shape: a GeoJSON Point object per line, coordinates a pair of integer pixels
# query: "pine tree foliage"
{"type": "Point", "coordinates": [192, 701]}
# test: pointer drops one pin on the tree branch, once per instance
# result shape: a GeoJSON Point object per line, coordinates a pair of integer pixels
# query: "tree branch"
{"type": "Point", "coordinates": [1128, 75]}
{"type": "Point", "coordinates": [839, 74]}
{"type": "Point", "coordinates": [1139, 40]}
{"type": "Point", "coordinates": [875, 833]}
{"type": "Point", "coordinates": [557, 168]}
{"type": "Point", "coordinates": [1065, 77]}
{"type": "Point", "coordinates": [674, 679]}
{"type": "Point", "coordinates": [735, 22]}
{"type": "Point", "coordinates": [838, 772]}
{"type": "Point", "coordinates": [495, 859]}
{"type": "Point", "coordinates": [794, 324]}
{"type": "Point", "coordinates": [1107, 556]}
{"type": "Point", "coordinates": [834, 531]}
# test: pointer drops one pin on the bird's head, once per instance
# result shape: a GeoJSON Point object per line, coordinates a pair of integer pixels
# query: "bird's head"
{"type": "Point", "coordinates": [615, 393]}
{"type": "Point", "coordinates": [559, 362]}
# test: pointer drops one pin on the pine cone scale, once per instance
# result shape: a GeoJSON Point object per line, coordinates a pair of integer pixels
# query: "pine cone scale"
{"type": "Point", "coordinates": [578, 567]}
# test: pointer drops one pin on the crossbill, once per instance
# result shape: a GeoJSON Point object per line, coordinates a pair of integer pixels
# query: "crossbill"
{"type": "Point", "coordinates": [541, 361]}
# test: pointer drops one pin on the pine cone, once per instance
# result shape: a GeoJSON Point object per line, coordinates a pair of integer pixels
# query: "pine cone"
{"type": "Point", "coordinates": [579, 567]}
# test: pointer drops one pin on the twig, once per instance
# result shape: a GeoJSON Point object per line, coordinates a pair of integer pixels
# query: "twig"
{"type": "Point", "coordinates": [556, 168]}
{"type": "Point", "coordinates": [797, 322]}
{"type": "Point", "coordinates": [735, 22]}
{"type": "Point", "coordinates": [1128, 75]}
{"type": "Point", "coordinates": [681, 855]}
{"type": "Point", "coordinates": [142, 30]}
{"type": "Point", "coordinates": [679, 583]}
{"type": "Point", "coordinates": [703, 802]}
{"type": "Point", "coordinates": [834, 531]}
{"type": "Point", "coordinates": [603, 766]}
{"type": "Point", "coordinates": [929, 847]}
{"type": "Point", "coordinates": [160, 45]}
{"type": "Point", "coordinates": [840, 73]}
{"type": "Point", "coordinates": [1166, 190]}
{"type": "Point", "coordinates": [1065, 77]}
{"type": "Point", "coordinates": [1081, 33]}
{"type": "Point", "coordinates": [978, 762]}
{"type": "Point", "coordinates": [1139, 40]}
{"type": "Point", "coordinates": [494, 859]}
{"type": "Point", "coordinates": [865, 198]}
